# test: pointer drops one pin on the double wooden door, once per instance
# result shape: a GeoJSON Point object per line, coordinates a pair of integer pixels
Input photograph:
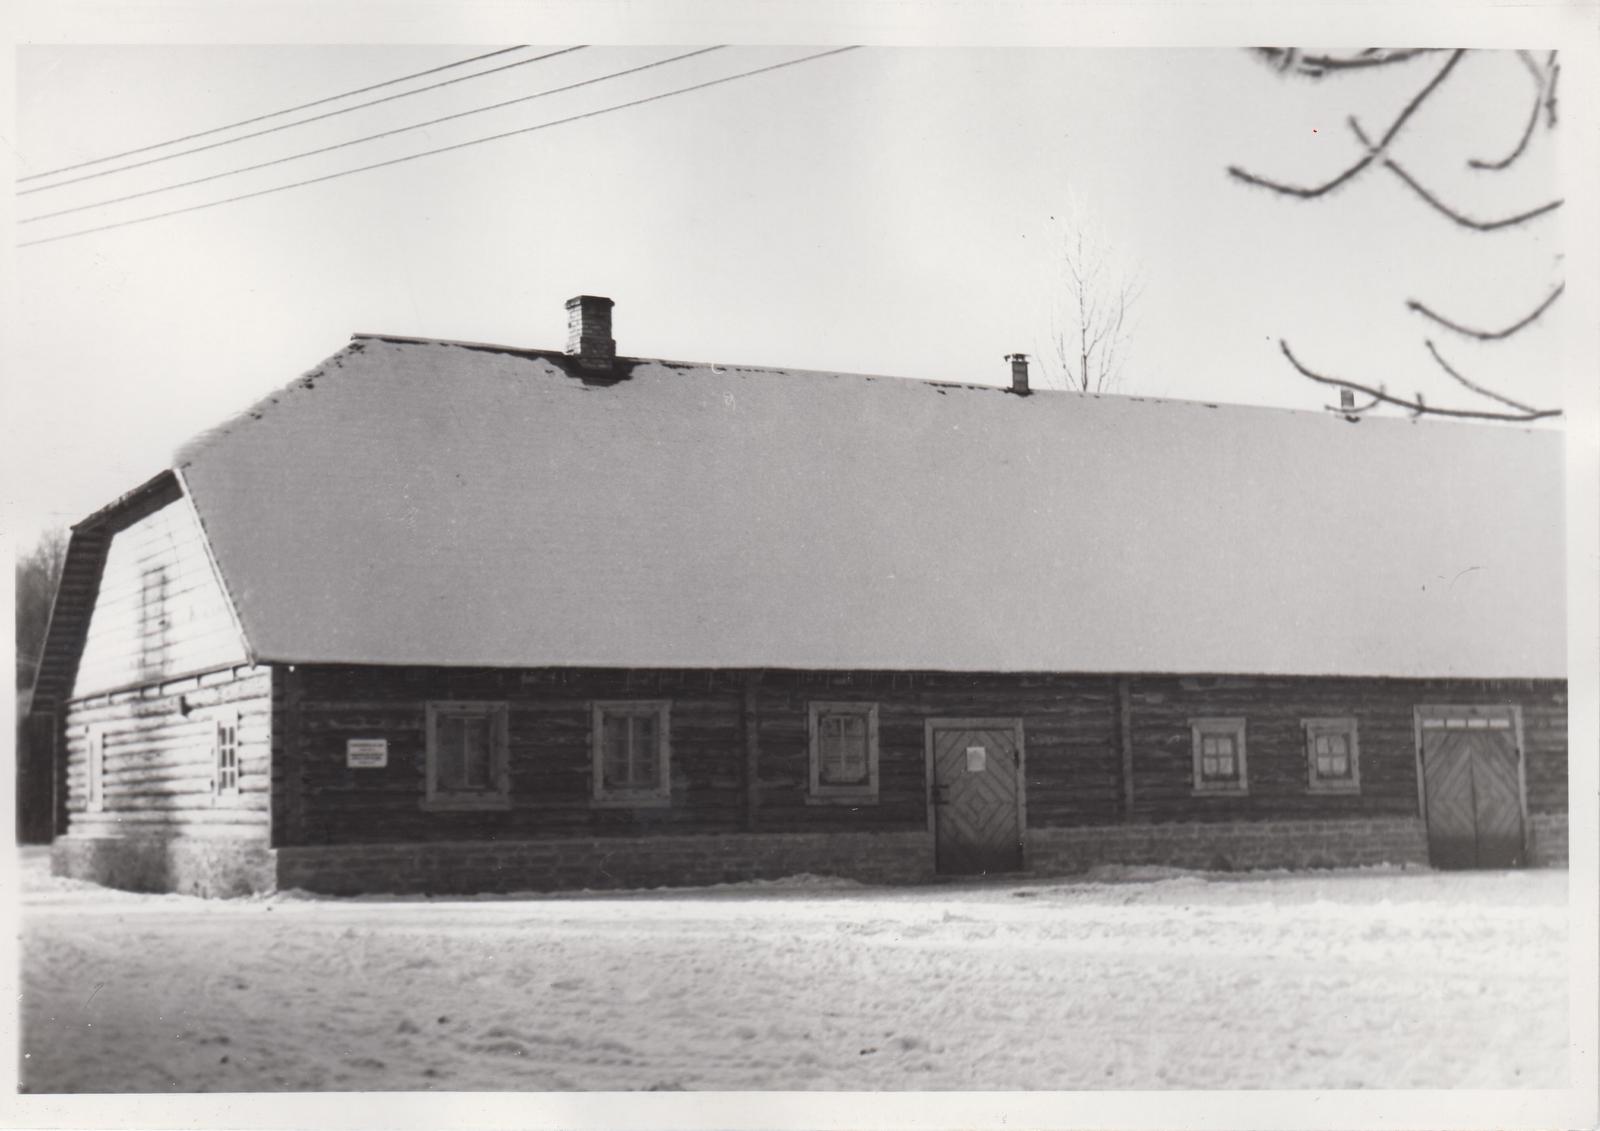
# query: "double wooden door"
{"type": "Point", "coordinates": [975, 773]}
{"type": "Point", "coordinates": [1470, 764]}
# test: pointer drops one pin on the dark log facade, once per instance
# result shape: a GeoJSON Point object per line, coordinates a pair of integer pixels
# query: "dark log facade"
{"type": "Point", "coordinates": [740, 756]}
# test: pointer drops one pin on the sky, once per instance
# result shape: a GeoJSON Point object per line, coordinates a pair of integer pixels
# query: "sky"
{"type": "Point", "coordinates": [891, 210]}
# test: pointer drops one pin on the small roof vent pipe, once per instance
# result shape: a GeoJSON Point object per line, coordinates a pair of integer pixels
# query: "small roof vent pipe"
{"type": "Point", "coordinates": [1019, 373]}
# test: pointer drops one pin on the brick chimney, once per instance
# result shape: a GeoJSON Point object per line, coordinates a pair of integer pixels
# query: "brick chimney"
{"type": "Point", "coordinates": [589, 340]}
{"type": "Point", "coordinates": [1019, 373]}
{"type": "Point", "coordinates": [1347, 399]}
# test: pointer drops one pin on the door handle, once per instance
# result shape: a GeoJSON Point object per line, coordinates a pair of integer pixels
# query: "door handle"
{"type": "Point", "coordinates": [941, 795]}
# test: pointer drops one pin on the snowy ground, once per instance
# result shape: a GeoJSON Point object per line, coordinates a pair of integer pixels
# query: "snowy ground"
{"type": "Point", "coordinates": [1145, 979]}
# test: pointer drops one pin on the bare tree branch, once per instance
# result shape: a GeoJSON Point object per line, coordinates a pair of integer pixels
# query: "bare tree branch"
{"type": "Point", "coordinates": [1440, 206]}
{"type": "Point", "coordinates": [1488, 335]}
{"type": "Point", "coordinates": [1373, 153]}
{"type": "Point", "coordinates": [1417, 406]}
{"type": "Point", "coordinates": [1527, 133]}
{"type": "Point", "coordinates": [1479, 389]}
{"type": "Point", "coordinates": [1321, 65]}
{"type": "Point", "coordinates": [1550, 98]}
{"type": "Point", "coordinates": [1545, 74]}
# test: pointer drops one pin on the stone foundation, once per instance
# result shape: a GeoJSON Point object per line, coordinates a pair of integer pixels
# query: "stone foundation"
{"type": "Point", "coordinates": [553, 864]}
{"type": "Point", "coordinates": [224, 867]}
{"type": "Point", "coordinates": [1231, 846]}
{"type": "Point", "coordinates": [1548, 840]}
{"type": "Point", "coordinates": [208, 866]}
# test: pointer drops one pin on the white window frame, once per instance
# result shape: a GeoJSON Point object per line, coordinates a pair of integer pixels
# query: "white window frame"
{"type": "Point", "coordinates": [1345, 725]}
{"type": "Point", "coordinates": [225, 726]}
{"type": "Point", "coordinates": [1233, 726]}
{"type": "Point", "coordinates": [659, 793]}
{"type": "Point", "coordinates": [94, 774]}
{"type": "Point", "coordinates": [822, 792]}
{"type": "Point", "coordinates": [498, 795]}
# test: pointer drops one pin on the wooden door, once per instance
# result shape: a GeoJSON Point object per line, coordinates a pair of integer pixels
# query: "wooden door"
{"type": "Point", "coordinates": [1470, 765]}
{"type": "Point", "coordinates": [975, 771]}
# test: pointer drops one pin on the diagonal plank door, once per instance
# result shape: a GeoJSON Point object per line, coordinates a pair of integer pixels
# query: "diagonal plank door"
{"type": "Point", "coordinates": [1452, 809]}
{"type": "Point", "coordinates": [1497, 794]}
{"type": "Point", "coordinates": [1472, 780]}
{"type": "Point", "coordinates": [977, 820]}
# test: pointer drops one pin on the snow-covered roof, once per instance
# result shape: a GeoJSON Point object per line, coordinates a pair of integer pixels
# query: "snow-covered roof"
{"type": "Point", "coordinates": [424, 502]}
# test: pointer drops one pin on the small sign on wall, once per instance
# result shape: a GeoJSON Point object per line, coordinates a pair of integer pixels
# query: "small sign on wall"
{"type": "Point", "coordinates": [977, 756]}
{"type": "Point", "coordinates": [366, 753]}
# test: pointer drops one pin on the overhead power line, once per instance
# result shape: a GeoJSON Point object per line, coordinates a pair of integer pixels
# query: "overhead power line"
{"type": "Point", "coordinates": [360, 140]}
{"type": "Point", "coordinates": [301, 122]}
{"type": "Point", "coordinates": [442, 149]}
{"type": "Point", "coordinates": [274, 114]}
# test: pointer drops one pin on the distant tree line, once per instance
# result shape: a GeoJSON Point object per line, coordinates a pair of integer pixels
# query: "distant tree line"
{"type": "Point", "coordinates": [37, 574]}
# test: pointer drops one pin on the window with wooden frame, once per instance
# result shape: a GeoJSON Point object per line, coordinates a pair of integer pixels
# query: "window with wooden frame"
{"type": "Point", "coordinates": [1333, 755]}
{"type": "Point", "coordinates": [632, 752]}
{"type": "Point", "coordinates": [225, 755]}
{"type": "Point", "coordinates": [95, 772]}
{"type": "Point", "coordinates": [1219, 755]}
{"type": "Point", "coordinates": [468, 755]}
{"type": "Point", "coordinates": [844, 752]}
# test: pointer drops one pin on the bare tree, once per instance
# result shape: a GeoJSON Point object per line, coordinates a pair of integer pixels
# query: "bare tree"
{"type": "Point", "coordinates": [1091, 326]}
{"type": "Point", "coordinates": [37, 574]}
{"type": "Point", "coordinates": [1379, 153]}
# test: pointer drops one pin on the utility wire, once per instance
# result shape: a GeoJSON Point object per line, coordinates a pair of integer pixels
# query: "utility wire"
{"type": "Point", "coordinates": [442, 149]}
{"type": "Point", "coordinates": [274, 114]}
{"type": "Point", "coordinates": [301, 122]}
{"type": "Point", "coordinates": [360, 140]}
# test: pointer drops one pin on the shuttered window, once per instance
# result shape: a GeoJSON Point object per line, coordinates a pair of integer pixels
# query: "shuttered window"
{"type": "Point", "coordinates": [466, 761]}
{"type": "Point", "coordinates": [468, 755]}
{"type": "Point", "coordinates": [1219, 755]}
{"type": "Point", "coordinates": [844, 751]}
{"type": "Point", "coordinates": [1333, 755]}
{"type": "Point", "coordinates": [225, 755]}
{"type": "Point", "coordinates": [632, 752]}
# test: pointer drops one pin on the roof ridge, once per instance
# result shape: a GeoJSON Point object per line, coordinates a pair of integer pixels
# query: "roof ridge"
{"type": "Point", "coordinates": [784, 370]}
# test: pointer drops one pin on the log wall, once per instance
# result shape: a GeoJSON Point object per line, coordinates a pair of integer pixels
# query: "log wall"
{"type": "Point", "coordinates": [159, 758]}
{"type": "Point", "coordinates": [1276, 757]}
{"type": "Point", "coordinates": [740, 748]}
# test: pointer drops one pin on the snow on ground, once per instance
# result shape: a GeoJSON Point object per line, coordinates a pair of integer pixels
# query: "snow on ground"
{"type": "Point", "coordinates": [1131, 978]}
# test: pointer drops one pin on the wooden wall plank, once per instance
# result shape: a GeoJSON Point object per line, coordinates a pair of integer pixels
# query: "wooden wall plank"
{"type": "Point", "coordinates": [159, 757]}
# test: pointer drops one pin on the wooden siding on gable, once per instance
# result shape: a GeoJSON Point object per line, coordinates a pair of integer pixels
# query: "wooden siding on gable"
{"type": "Point", "coordinates": [160, 610]}
{"type": "Point", "coordinates": [159, 757]}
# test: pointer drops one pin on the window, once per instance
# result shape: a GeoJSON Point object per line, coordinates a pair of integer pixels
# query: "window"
{"type": "Point", "coordinates": [225, 755]}
{"type": "Point", "coordinates": [96, 772]}
{"type": "Point", "coordinates": [467, 756]}
{"type": "Point", "coordinates": [844, 751]}
{"type": "Point", "coordinates": [1219, 755]}
{"type": "Point", "coordinates": [632, 753]}
{"type": "Point", "coordinates": [1333, 756]}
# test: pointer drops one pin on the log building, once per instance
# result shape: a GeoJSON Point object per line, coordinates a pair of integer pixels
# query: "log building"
{"type": "Point", "coordinates": [442, 616]}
